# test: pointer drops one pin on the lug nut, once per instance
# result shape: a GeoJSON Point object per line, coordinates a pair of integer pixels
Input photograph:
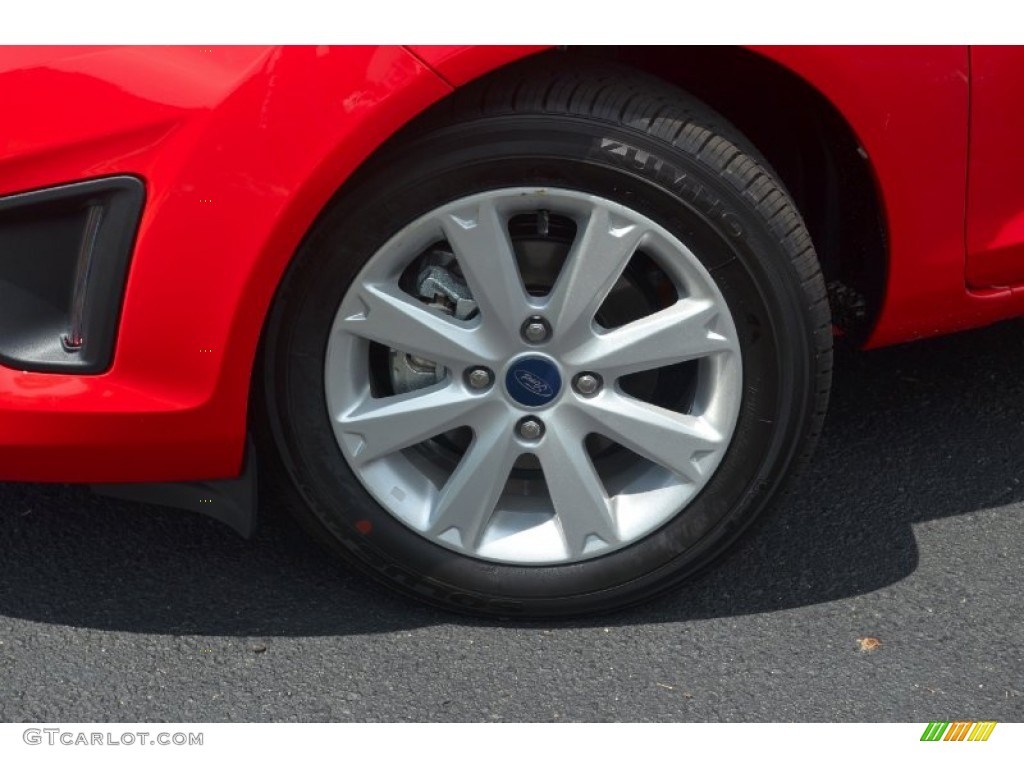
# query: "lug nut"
{"type": "Point", "coordinates": [479, 378]}
{"type": "Point", "coordinates": [536, 330]}
{"type": "Point", "coordinates": [588, 384]}
{"type": "Point", "coordinates": [530, 429]}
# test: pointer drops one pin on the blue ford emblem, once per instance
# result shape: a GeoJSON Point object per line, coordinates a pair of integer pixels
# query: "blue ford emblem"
{"type": "Point", "coordinates": [533, 381]}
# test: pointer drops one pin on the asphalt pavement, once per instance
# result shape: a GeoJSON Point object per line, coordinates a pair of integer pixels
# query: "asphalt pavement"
{"type": "Point", "coordinates": [906, 529]}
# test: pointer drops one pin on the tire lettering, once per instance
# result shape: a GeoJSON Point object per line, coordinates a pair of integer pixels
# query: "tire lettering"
{"type": "Point", "coordinates": [676, 179]}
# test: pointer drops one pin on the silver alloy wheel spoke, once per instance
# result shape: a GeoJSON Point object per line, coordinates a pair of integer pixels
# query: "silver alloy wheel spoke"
{"type": "Point", "coordinates": [676, 441]}
{"type": "Point", "coordinates": [478, 235]}
{"type": "Point", "coordinates": [486, 499]}
{"type": "Point", "coordinates": [582, 507]}
{"type": "Point", "coordinates": [391, 317]}
{"type": "Point", "coordinates": [385, 425]}
{"type": "Point", "coordinates": [679, 333]}
{"type": "Point", "coordinates": [468, 498]}
{"type": "Point", "coordinates": [594, 264]}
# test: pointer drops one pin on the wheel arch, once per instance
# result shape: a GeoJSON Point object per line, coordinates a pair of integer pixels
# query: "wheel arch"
{"type": "Point", "coordinates": [809, 142]}
{"type": "Point", "coordinates": [848, 194]}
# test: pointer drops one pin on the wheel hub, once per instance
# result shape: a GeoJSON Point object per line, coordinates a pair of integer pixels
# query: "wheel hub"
{"type": "Point", "coordinates": [533, 382]}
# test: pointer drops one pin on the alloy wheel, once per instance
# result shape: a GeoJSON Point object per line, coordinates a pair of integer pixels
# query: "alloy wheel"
{"type": "Point", "coordinates": [538, 399]}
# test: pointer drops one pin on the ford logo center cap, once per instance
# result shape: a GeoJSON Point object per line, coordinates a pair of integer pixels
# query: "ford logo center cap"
{"type": "Point", "coordinates": [533, 382]}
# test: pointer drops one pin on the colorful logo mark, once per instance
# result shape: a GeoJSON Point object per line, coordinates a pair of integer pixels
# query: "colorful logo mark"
{"type": "Point", "coordinates": [959, 731]}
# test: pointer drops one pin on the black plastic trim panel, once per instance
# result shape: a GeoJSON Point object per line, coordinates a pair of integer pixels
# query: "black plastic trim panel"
{"type": "Point", "coordinates": [64, 254]}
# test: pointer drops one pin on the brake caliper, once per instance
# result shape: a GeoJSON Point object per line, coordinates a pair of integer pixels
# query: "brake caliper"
{"type": "Point", "coordinates": [440, 285]}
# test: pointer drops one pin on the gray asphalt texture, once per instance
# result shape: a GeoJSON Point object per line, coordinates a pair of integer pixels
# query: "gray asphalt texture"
{"type": "Point", "coordinates": [907, 527]}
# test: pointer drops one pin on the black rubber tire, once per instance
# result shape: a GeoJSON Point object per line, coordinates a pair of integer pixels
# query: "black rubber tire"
{"type": "Point", "coordinates": [588, 126]}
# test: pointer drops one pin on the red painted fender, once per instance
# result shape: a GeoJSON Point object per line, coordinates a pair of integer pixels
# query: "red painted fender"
{"type": "Point", "coordinates": [240, 148]}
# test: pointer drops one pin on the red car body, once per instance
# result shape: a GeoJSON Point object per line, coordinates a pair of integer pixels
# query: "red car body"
{"type": "Point", "coordinates": [241, 148]}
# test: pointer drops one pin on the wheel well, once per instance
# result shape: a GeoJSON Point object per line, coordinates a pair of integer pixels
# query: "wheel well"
{"type": "Point", "coordinates": [813, 150]}
{"type": "Point", "coordinates": [804, 138]}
